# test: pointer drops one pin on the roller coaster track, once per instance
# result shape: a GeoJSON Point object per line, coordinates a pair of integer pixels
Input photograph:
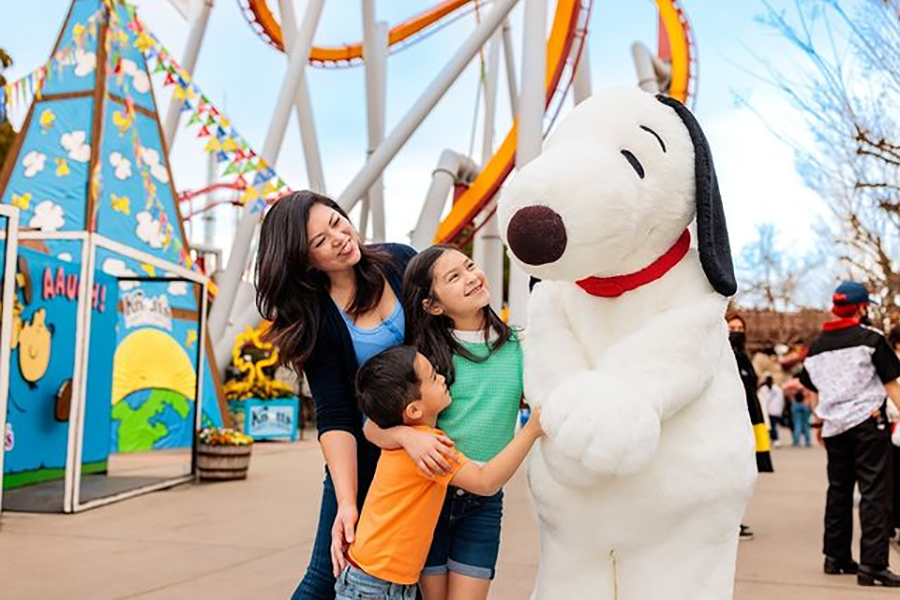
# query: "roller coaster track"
{"type": "Point", "coordinates": [564, 46]}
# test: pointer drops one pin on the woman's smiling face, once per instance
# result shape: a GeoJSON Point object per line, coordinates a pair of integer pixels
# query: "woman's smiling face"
{"type": "Point", "coordinates": [333, 241]}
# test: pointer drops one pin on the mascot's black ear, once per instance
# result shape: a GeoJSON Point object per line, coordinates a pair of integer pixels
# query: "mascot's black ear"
{"type": "Point", "coordinates": [712, 233]}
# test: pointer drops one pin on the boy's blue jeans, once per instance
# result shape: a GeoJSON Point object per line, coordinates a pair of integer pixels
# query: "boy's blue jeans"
{"type": "Point", "coordinates": [354, 583]}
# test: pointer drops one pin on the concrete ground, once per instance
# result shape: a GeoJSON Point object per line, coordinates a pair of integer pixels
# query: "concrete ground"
{"type": "Point", "coordinates": [251, 539]}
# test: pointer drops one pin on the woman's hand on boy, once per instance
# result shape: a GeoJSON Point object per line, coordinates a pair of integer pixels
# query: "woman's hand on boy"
{"type": "Point", "coordinates": [431, 452]}
{"type": "Point", "coordinates": [342, 535]}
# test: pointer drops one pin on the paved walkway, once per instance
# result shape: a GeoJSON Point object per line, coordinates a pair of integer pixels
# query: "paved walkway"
{"type": "Point", "coordinates": [251, 539]}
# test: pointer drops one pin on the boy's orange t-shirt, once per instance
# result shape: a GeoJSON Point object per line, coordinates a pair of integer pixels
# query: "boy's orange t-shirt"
{"type": "Point", "coordinates": [397, 523]}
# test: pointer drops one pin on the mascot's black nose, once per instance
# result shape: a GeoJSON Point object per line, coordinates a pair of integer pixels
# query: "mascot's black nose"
{"type": "Point", "coordinates": [536, 235]}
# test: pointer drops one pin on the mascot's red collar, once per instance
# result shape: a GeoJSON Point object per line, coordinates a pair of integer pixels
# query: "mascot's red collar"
{"type": "Point", "coordinates": [613, 287]}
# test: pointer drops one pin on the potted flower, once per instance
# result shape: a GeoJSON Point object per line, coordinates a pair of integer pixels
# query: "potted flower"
{"type": "Point", "coordinates": [223, 454]}
{"type": "Point", "coordinates": [262, 406]}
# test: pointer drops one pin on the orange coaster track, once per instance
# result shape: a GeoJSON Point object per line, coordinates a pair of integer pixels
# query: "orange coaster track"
{"type": "Point", "coordinates": [564, 48]}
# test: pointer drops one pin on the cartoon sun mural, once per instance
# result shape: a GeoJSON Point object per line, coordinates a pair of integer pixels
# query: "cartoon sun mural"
{"type": "Point", "coordinates": [151, 359]}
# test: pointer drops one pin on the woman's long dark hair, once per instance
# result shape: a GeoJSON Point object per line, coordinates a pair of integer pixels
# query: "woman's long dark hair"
{"type": "Point", "coordinates": [288, 289]}
{"type": "Point", "coordinates": [433, 334]}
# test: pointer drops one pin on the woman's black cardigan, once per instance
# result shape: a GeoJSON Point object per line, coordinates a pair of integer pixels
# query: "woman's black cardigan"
{"type": "Point", "coordinates": [331, 372]}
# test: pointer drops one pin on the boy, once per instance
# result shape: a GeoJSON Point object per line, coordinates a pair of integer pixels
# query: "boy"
{"type": "Point", "coordinates": [400, 386]}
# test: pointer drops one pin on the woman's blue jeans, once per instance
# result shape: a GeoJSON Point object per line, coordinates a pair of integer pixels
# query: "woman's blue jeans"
{"type": "Point", "coordinates": [318, 583]}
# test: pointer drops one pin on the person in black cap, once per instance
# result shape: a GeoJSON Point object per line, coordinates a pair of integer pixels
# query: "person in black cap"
{"type": "Point", "coordinates": [851, 368]}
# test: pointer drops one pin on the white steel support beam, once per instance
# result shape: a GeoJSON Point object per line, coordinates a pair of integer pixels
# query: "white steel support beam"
{"type": "Point", "coordinates": [10, 215]}
{"type": "Point", "coordinates": [490, 98]}
{"type": "Point", "coordinates": [653, 76]}
{"type": "Point", "coordinates": [509, 55]}
{"type": "Point", "coordinates": [244, 232]}
{"type": "Point", "coordinates": [581, 86]}
{"type": "Point", "coordinates": [424, 105]}
{"type": "Point", "coordinates": [442, 179]}
{"type": "Point", "coordinates": [244, 315]}
{"type": "Point", "coordinates": [188, 63]}
{"type": "Point", "coordinates": [487, 249]}
{"type": "Point", "coordinates": [531, 125]}
{"type": "Point", "coordinates": [303, 105]}
{"type": "Point", "coordinates": [375, 49]}
{"type": "Point", "coordinates": [209, 216]}
{"type": "Point", "coordinates": [488, 252]}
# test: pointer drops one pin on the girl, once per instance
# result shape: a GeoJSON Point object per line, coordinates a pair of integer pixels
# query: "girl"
{"type": "Point", "coordinates": [449, 318]}
{"type": "Point", "coordinates": [333, 304]}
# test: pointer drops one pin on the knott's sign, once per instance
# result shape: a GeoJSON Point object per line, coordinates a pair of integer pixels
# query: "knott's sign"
{"type": "Point", "coordinates": [140, 310]}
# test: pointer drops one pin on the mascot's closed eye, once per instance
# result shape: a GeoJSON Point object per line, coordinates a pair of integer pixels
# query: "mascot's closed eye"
{"type": "Point", "coordinates": [634, 162]}
{"type": "Point", "coordinates": [656, 135]}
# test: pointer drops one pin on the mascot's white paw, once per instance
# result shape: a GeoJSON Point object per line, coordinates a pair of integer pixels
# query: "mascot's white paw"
{"type": "Point", "coordinates": [600, 423]}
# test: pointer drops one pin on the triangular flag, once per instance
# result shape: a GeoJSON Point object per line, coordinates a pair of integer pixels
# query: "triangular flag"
{"type": "Point", "coordinates": [231, 169]}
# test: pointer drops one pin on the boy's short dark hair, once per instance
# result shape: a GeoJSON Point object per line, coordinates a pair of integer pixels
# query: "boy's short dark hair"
{"type": "Point", "coordinates": [387, 384]}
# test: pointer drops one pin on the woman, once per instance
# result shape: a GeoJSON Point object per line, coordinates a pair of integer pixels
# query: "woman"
{"type": "Point", "coordinates": [333, 304]}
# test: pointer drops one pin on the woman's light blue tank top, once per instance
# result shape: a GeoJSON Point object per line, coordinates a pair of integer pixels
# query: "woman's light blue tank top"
{"type": "Point", "coordinates": [369, 342]}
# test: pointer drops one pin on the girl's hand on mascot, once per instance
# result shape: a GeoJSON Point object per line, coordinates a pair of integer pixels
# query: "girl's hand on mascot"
{"type": "Point", "coordinates": [533, 426]}
{"type": "Point", "coordinates": [431, 452]}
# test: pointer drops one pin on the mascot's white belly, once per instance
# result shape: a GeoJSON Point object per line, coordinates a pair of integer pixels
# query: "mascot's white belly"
{"type": "Point", "coordinates": [667, 531]}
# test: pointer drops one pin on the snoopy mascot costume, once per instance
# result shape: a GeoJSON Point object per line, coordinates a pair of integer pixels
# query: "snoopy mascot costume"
{"type": "Point", "coordinates": [647, 464]}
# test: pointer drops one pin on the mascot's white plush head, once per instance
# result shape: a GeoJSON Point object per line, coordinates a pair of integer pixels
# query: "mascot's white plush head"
{"type": "Point", "coordinates": [614, 189]}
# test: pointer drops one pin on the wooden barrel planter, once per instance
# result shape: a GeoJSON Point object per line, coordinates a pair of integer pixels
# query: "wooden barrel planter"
{"type": "Point", "coordinates": [223, 463]}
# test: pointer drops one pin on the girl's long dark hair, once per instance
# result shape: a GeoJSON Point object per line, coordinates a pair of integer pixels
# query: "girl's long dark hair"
{"type": "Point", "coordinates": [288, 289]}
{"type": "Point", "coordinates": [433, 334]}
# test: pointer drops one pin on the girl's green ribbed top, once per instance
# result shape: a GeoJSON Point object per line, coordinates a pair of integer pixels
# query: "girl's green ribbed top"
{"type": "Point", "coordinates": [481, 419]}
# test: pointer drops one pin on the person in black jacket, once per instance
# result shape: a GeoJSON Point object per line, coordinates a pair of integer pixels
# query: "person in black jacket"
{"type": "Point", "coordinates": [737, 335]}
{"type": "Point", "coordinates": [333, 303]}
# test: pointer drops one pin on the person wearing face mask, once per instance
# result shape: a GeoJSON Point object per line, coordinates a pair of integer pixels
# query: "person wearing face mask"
{"type": "Point", "coordinates": [851, 371]}
{"type": "Point", "coordinates": [737, 335]}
